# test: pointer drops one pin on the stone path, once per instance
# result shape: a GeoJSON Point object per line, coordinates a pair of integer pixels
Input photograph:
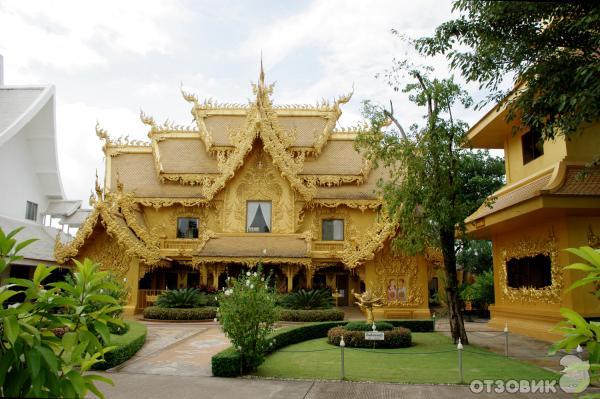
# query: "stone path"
{"type": "Point", "coordinates": [177, 349]}
{"type": "Point", "coordinates": [182, 387]}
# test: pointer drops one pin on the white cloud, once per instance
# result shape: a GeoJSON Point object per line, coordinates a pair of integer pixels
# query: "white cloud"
{"type": "Point", "coordinates": [80, 154]}
{"type": "Point", "coordinates": [76, 34]}
{"type": "Point", "coordinates": [354, 42]}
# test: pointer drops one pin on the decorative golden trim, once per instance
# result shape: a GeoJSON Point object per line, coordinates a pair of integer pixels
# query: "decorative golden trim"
{"type": "Point", "coordinates": [162, 202]}
{"type": "Point", "coordinates": [359, 248]}
{"type": "Point", "coordinates": [63, 252]}
{"type": "Point", "coordinates": [249, 261]}
{"type": "Point", "coordinates": [360, 204]}
{"type": "Point", "coordinates": [529, 246]}
{"type": "Point", "coordinates": [391, 266]}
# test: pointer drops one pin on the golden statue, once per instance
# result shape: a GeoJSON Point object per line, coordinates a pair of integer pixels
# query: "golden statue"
{"type": "Point", "coordinates": [366, 301]}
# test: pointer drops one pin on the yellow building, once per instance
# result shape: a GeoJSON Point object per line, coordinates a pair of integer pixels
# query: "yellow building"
{"type": "Point", "coordinates": [544, 208]}
{"type": "Point", "coordinates": [248, 184]}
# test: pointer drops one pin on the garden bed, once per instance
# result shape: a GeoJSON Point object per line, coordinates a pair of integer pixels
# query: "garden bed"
{"type": "Point", "coordinates": [354, 336]}
{"type": "Point", "coordinates": [227, 362]}
{"type": "Point", "coordinates": [127, 345]}
{"type": "Point", "coordinates": [193, 314]}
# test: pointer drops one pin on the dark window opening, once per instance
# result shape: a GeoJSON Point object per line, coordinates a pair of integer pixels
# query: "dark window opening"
{"type": "Point", "coordinates": [31, 211]}
{"type": "Point", "coordinates": [533, 146]}
{"type": "Point", "coordinates": [258, 217]}
{"type": "Point", "coordinates": [187, 228]}
{"type": "Point", "coordinates": [333, 230]}
{"type": "Point", "coordinates": [530, 271]}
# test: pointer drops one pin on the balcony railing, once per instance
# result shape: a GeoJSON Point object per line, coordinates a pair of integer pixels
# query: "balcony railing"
{"type": "Point", "coordinates": [180, 243]}
{"type": "Point", "coordinates": [328, 246]}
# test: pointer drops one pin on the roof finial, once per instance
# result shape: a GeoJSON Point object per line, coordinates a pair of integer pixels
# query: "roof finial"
{"type": "Point", "coordinates": [261, 77]}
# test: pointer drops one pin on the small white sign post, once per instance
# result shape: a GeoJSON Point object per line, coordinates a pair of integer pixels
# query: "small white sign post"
{"type": "Point", "coordinates": [374, 335]}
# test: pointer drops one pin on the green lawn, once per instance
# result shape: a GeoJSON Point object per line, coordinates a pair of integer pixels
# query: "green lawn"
{"type": "Point", "coordinates": [368, 365]}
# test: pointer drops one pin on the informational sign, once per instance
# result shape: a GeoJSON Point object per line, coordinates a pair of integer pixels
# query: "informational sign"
{"type": "Point", "coordinates": [374, 335]}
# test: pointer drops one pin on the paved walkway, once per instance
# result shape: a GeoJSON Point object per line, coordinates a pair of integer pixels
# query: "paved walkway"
{"type": "Point", "coordinates": [524, 348]}
{"type": "Point", "coordinates": [177, 349]}
{"type": "Point", "coordinates": [175, 362]}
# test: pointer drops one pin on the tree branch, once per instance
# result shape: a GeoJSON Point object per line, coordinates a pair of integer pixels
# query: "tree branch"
{"type": "Point", "coordinates": [424, 87]}
{"type": "Point", "coordinates": [390, 114]}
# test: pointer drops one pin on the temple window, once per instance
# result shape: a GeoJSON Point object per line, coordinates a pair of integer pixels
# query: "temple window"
{"type": "Point", "coordinates": [529, 272]}
{"type": "Point", "coordinates": [333, 230]}
{"type": "Point", "coordinates": [533, 146]}
{"type": "Point", "coordinates": [31, 211]}
{"type": "Point", "coordinates": [258, 217]}
{"type": "Point", "coordinates": [187, 228]}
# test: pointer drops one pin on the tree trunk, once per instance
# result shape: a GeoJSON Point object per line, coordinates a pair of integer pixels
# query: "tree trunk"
{"type": "Point", "coordinates": [457, 326]}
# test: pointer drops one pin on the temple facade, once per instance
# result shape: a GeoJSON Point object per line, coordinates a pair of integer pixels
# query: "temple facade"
{"type": "Point", "coordinates": [550, 202]}
{"type": "Point", "coordinates": [245, 185]}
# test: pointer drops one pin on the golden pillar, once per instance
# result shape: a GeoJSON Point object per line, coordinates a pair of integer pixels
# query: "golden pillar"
{"type": "Point", "coordinates": [131, 280]}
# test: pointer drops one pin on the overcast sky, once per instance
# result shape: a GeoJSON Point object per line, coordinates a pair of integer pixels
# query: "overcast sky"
{"type": "Point", "coordinates": [109, 59]}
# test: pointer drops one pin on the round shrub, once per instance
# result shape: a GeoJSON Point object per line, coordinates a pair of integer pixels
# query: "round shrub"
{"type": "Point", "coordinates": [363, 326]}
{"type": "Point", "coordinates": [398, 337]}
{"type": "Point", "coordinates": [158, 313]}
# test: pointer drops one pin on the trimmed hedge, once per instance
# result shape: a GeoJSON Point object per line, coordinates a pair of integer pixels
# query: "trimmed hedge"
{"type": "Point", "coordinates": [362, 326]}
{"type": "Point", "coordinates": [227, 362]}
{"type": "Point", "coordinates": [126, 344]}
{"type": "Point", "coordinates": [399, 337]}
{"type": "Point", "coordinates": [311, 315]}
{"type": "Point", "coordinates": [158, 313]}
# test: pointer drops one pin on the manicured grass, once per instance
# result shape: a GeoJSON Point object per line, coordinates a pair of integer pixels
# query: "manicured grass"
{"type": "Point", "coordinates": [368, 365]}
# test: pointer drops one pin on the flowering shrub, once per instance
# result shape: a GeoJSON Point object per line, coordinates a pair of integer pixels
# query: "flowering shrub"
{"type": "Point", "coordinates": [247, 311]}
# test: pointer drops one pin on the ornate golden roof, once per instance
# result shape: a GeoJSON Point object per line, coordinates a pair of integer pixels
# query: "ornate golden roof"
{"type": "Point", "coordinates": [194, 163]}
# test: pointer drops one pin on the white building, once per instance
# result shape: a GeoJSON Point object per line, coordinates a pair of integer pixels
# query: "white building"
{"type": "Point", "coordinates": [31, 191]}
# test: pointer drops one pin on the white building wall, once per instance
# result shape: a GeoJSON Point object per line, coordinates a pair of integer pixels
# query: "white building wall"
{"type": "Point", "coordinates": [18, 173]}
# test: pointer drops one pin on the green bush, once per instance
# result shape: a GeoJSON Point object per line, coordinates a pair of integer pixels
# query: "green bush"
{"type": "Point", "coordinates": [227, 362]}
{"type": "Point", "coordinates": [362, 326]}
{"type": "Point", "coordinates": [49, 340]}
{"type": "Point", "coordinates": [182, 298]}
{"type": "Point", "coordinates": [247, 313]}
{"type": "Point", "coordinates": [311, 299]}
{"type": "Point", "coordinates": [155, 312]}
{"type": "Point", "coordinates": [311, 315]}
{"type": "Point", "coordinates": [398, 337]}
{"type": "Point", "coordinates": [127, 345]}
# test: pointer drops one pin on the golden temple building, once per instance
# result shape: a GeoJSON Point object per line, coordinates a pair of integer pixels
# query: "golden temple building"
{"type": "Point", "coordinates": [547, 205]}
{"type": "Point", "coordinates": [248, 184]}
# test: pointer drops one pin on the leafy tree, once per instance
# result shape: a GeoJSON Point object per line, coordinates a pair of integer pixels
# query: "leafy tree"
{"type": "Point", "coordinates": [475, 256]}
{"type": "Point", "coordinates": [247, 312]}
{"type": "Point", "coordinates": [50, 340]}
{"type": "Point", "coordinates": [481, 291]}
{"type": "Point", "coordinates": [553, 47]}
{"type": "Point", "coordinates": [434, 182]}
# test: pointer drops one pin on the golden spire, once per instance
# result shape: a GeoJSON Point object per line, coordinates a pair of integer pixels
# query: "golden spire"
{"type": "Point", "coordinates": [261, 77]}
{"type": "Point", "coordinates": [260, 92]}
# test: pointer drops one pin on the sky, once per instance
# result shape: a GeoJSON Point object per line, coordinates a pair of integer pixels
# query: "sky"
{"type": "Point", "coordinates": [110, 59]}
